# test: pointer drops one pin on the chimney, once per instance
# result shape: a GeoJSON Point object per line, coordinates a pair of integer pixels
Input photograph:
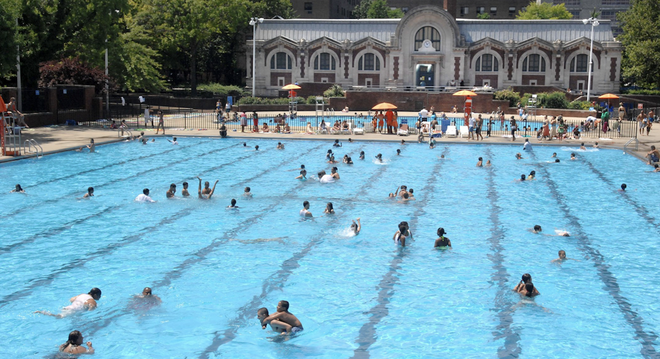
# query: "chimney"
{"type": "Point", "coordinates": [450, 7]}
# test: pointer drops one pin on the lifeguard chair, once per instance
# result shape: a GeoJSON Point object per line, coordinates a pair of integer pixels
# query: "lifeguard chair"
{"type": "Point", "coordinates": [467, 108]}
{"type": "Point", "coordinates": [10, 139]}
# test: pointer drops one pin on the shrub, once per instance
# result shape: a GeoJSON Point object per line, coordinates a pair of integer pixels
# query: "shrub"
{"type": "Point", "coordinates": [248, 100]}
{"type": "Point", "coordinates": [579, 105]}
{"type": "Point", "coordinates": [221, 90]}
{"type": "Point", "coordinates": [508, 95]}
{"type": "Point", "coordinates": [552, 100]}
{"type": "Point", "coordinates": [311, 100]}
{"type": "Point", "coordinates": [334, 91]}
{"type": "Point", "coordinates": [642, 92]}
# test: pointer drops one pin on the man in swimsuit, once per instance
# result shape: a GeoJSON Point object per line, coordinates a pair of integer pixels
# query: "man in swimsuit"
{"type": "Point", "coordinates": [356, 227]}
{"type": "Point", "coordinates": [184, 191]}
{"type": "Point", "coordinates": [283, 319]}
{"type": "Point", "coordinates": [653, 155]}
{"type": "Point", "coordinates": [90, 192]}
{"type": "Point", "coordinates": [207, 192]}
{"type": "Point", "coordinates": [170, 193]}
{"type": "Point", "coordinates": [562, 257]}
{"type": "Point", "coordinates": [305, 211]}
{"type": "Point", "coordinates": [80, 302]}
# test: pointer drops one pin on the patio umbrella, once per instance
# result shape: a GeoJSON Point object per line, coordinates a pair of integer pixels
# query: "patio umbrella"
{"type": "Point", "coordinates": [464, 93]}
{"type": "Point", "coordinates": [384, 106]}
{"type": "Point", "coordinates": [608, 97]}
{"type": "Point", "coordinates": [291, 87]}
{"type": "Point", "coordinates": [468, 102]}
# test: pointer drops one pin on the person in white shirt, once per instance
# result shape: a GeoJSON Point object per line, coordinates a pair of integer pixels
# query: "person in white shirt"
{"type": "Point", "coordinates": [424, 114]}
{"type": "Point", "coordinates": [527, 146]}
{"type": "Point", "coordinates": [305, 211]}
{"type": "Point", "coordinates": [173, 141]}
{"type": "Point", "coordinates": [144, 197]}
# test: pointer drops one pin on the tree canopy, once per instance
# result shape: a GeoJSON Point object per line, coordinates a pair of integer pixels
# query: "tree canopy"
{"type": "Point", "coordinates": [641, 42]}
{"type": "Point", "coordinates": [544, 10]}
{"type": "Point", "coordinates": [376, 9]}
{"type": "Point", "coordinates": [151, 43]}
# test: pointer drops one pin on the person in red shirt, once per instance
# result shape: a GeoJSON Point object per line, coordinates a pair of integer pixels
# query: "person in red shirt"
{"type": "Point", "coordinates": [389, 116]}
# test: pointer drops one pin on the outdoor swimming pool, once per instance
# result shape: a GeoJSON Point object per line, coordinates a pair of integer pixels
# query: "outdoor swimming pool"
{"type": "Point", "coordinates": [356, 296]}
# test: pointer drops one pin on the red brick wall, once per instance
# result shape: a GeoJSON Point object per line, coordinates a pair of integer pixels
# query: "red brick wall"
{"type": "Point", "coordinates": [375, 79]}
{"type": "Point", "coordinates": [573, 79]}
{"type": "Point", "coordinates": [540, 79]}
{"type": "Point", "coordinates": [479, 78]}
{"type": "Point", "coordinates": [275, 75]}
{"type": "Point", "coordinates": [414, 101]}
{"type": "Point", "coordinates": [329, 76]}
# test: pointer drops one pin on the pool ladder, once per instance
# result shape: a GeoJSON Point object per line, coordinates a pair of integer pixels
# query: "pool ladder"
{"type": "Point", "coordinates": [634, 139]}
{"type": "Point", "coordinates": [32, 146]}
{"type": "Point", "coordinates": [127, 132]}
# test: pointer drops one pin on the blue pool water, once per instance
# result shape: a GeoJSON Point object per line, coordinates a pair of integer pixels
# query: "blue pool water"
{"type": "Point", "coordinates": [356, 296]}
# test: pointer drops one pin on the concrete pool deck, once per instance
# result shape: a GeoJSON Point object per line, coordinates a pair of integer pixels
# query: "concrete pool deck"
{"type": "Point", "coordinates": [64, 138]}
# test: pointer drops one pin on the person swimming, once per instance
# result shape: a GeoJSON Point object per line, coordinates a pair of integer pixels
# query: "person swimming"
{"type": "Point", "coordinates": [623, 187]}
{"type": "Point", "coordinates": [399, 236]}
{"type": "Point", "coordinates": [184, 191]}
{"type": "Point", "coordinates": [247, 193]}
{"type": "Point", "coordinates": [520, 287]}
{"type": "Point", "coordinates": [207, 192]}
{"type": "Point", "coordinates": [305, 211]}
{"type": "Point", "coordinates": [554, 155]}
{"type": "Point", "coordinates": [17, 189]}
{"type": "Point", "coordinates": [537, 229]}
{"type": "Point", "coordinates": [303, 175]}
{"type": "Point", "coordinates": [522, 177]}
{"type": "Point", "coordinates": [529, 290]}
{"type": "Point", "coordinates": [282, 321]}
{"type": "Point", "coordinates": [480, 162]}
{"type": "Point", "coordinates": [332, 159]}
{"type": "Point", "coordinates": [256, 148]}
{"type": "Point", "coordinates": [78, 303]}
{"type": "Point", "coordinates": [74, 346]}
{"type": "Point", "coordinates": [329, 209]}
{"type": "Point", "coordinates": [379, 158]}
{"type": "Point", "coordinates": [361, 155]}
{"type": "Point", "coordinates": [232, 204]}
{"type": "Point", "coordinates": [582, 147]}
{"type": "Point", "coordinates": [442, 241]}
{"type": "Point", "coordinates": [519, 156]}
{"type": "Point", "coordinates": [532, 176]}
{"type": "Point", "coordinates": [573, 158]}
{"type": "Point", "coordinates": [488, 164]}
{"type": "Point", "coordinates": [170, 193]}
{"type": "Point", "coordinates": [562, 257]}
{"type": "Point", "coordinates": [280, 146]}
{"type": "Point", "coordinates": [356, 227]}
{"type": "Point", "coordinates": [90, 192]}
{"type": "Point", "coordinates": [398, 152]}
{"type": "Point", "coordinates": [328, 154]}
{"type": "Point", "coordinates": [325, 178]}
{"type": "Point", "coordinates": [337, 144]}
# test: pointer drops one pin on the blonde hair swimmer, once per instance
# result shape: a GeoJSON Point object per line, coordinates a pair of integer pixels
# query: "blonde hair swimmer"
{"type": "Point", "coordinates": [78, 303]}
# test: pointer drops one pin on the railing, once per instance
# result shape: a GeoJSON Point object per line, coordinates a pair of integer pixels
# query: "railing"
{"type": "Point", "coordinates": [32, 146]}
{"type": "Point", "coordinates": [626, 146]}
{"type": "Point", "coordinates": [121, 130]}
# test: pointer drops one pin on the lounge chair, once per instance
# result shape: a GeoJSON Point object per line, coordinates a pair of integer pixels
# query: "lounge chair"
{"type": "Point", "coordinates": [451, 131]}
{"type": "Point", "coordinates": [403, 130]}
{"type": "Point", "coordinates": [349, 131]}
{"type": "Point", "coordinates": [465, 131]}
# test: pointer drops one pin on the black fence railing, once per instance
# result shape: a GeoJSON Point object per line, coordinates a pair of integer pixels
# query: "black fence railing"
{"type": "Point", "coordinates": [34, 100]}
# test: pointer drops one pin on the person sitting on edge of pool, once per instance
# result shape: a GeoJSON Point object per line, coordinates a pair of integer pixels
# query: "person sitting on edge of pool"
{"type": "Point", "coordinates": [337, 144]}
{"type": "Point", "coordinates": [399, 236]}
{"type": "Point", "coordinates": [623, 187]}
{"type": "Point", "coordinates": [526, 278]}
{"type": "Point", "coordinates": [379, 157]}
{"type": "Point", "coordinates": [144, 197]}
{"type": "Point", "coordinates": [207, 192]}
{"type": "Point", "coordinates": [85, 301]}
{"type": "Point", "coordinates": [170, 192]}
{"type": "Point", "coordinates": [90, 192]}
{"type": "Point", "coordinates": [442, 241]}
{"type": "Point", "coordinates": [361, 155]}
{"type": "Point", "coordinates": [519, 156]}
{"type": "Point", "coordinates": [184, 191]}
{"type": "Point", "coordinates": [356, 227]}
{"type": "Point", "coordinates": [573, 158]}
{"type": "Point", "coordinates": [303, 175]}
{"type": "Point", "coordinates": [334, 174]}
{"type": "Point", "coordinates": [280, 146]}
{"type": "Point", "coordinates": [74, 345]}
{"type": "Point", "coordinates": [283, 319]}
{"type": "Point", "coordinates": [247, 193]}
{"type": "Point", "coordinates": [91, 146]}
{"type": "Point", "coordinates": [480, 162]}
{"type": "Point", "coordinates": [532, 176]}
{"type": "Point", "coordinates": [305, 211]}
{"type": "Point", "coordinates": [232, 204]}
{"type": "Point", "coordinates": [562, 257]}
{"type": "Point", "coordinates": [329, 209]}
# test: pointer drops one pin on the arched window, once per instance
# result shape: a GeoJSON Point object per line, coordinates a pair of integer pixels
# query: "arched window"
{"type": "Point", "coordinates": [427, 33]}
{"type": "Point", "coordinates": [486, 63]}
{"type": "Point", "coordinates": [325, 62]}
{"type": "Point", "coordinates": [369, 62]}
{"type": "Point", "coordinates": [533, 63]}
{"type": "Point", "coordinates": [580, 63]}
{"type": "Point", "coordinates": [280, 61]}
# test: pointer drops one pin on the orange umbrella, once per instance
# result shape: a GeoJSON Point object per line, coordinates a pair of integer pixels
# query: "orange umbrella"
{"type": "Point", "coordinates": [608, 96]}
{"type": "Point", "coordinates": [291, 87]}
{"type": "Point", "coordinates": [464, 93]}
{"type": "Point", "coordinates": [384, 106]}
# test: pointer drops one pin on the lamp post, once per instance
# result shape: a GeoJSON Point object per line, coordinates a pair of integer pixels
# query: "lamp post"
{"type": "Point", "coordinates": [107, 86]}
{"type": "Point", "coordinates": [594, 22]}
{"type": "Point", "coordinates": [253, 22]}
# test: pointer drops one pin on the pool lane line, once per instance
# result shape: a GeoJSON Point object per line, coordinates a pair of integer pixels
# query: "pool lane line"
{"type": "Point", "coordinates": [55, 231]}
{"type": "Point", "coordinates": [79, 262]}
{"type": "Point", "coordinates": [275, 281]}
{"type": "Point", "coordinates": [641, 210]}
{"type": "Point", "coordinates": [200, 254]}
{"type": "Point", "coordinates": [367, 334]}
{"type": "Point", "coordinates": [500, 275]}
{"type": "Point", "coordinates": [69, 195]}
{"type": "Point", "coordinates": [609, 280]}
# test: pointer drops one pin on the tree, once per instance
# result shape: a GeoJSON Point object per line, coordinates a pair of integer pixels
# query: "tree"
{"type": "Point", "coordinates": [378, 9]}
{"type": "Point", "coordinates": [535, 11]}
{"type": "Point", "coordinates": [641, 41]}
{"type": "Point", "coordinates": [483, 16]}
{"type": "Point", "coordinates": [71, 71]}
{"type": "Point", "coordinates": [360, 11]}
{"type": "Point", "coordinates": [8, 40]}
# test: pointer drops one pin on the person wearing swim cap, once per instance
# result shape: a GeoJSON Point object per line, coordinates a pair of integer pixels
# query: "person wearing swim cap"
{"type": "Point", "coordinates": [442, 241]}
{"type": "Point", "coordinates": [623, 187]}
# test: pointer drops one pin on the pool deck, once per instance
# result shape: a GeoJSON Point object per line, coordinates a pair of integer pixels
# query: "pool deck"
{"type": "Point", "coordinates": [65, 138]}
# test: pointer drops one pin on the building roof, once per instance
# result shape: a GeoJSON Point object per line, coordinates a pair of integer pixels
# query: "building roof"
{"type": "Point", "coordinates": [521, 30]}
{"type": "Point", "coordinates": [473, 30]}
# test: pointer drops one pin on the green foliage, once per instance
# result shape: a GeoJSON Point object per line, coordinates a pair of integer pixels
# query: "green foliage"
{"type": "Point", "coordinates": [311, 100]}
{"type": "Point", "coordinates": [378, 9]}
{"type": "Point", "coordinates": [222, 90]}
{"type": "Point", "coordinates": [552, 100]}
{"type": "Point", "coordinates": [507, 95]}
{"type": "Point", "coordinates": [268, 101]}
{"type": "Point", "coordinates": [642, 92]}
{"type": "Point", "coordinates": [579, 105]}
{"type": "Point", "coordinates": [641, 41]}
{"type": "Point", "coordinates": [334, 91]}
{"type": "Point", "coordinates": [544, 10]}
{"type": "Point", "coordinates": [483, 16]}
{"type": "Point", "coordinates": [360, 11]}
{"type": "Point", "coordinates": [8, 14]}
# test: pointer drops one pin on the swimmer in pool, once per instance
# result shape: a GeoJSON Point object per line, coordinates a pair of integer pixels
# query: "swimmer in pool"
{"type": "Point", "coordinates": [529, 290]}
{"type": "Point", "coordinates": [303, 175]}
{"type": "Point", "coordinates": [332, 159]}
{"type": "Point", "coordinates": [557, 160]}
{"type": "Point", "coordinates": [537, 229]}
{"type": "Point", "coordinates": [562, 258]}
{"type": "Point", "coordinates": [562, 233]}
{"type": "Point", "coordinates": [379, 158]}
{"type": "Point", "coordinates": [173, 141]}
{"type": "Point", "coordinates": [17, 189]}
{"type": "Point", "coordinates": [184, 191]}
{"type": "Point", "coordinates": [526, 278]}
{"type": "Point", "coordinates": [623, 187]}
{"type": "Point", "coordinates": [480, 162]}
{"type": "Point", "coordinates": [488, 164]}
{"type": "Point", "coordinates": [403, 190]}
{"type": "Point", "coordinates": [90, 192]}
{"type": "Point", "coordinates": [442, 157]}
{"type": "Point", "coordinates": [573, 158]}
{"type": "Point", "coordinates": [519, 156]}
{"type": "Point", "coordinates": [91, 146]}
{"type": "Point", "coordinates": [399, 237]}
{"type": "Point", "coordinates": [349, 161]}
{"type": "Point", "coordinates": [582, 147]}
{"type": "Point", "coordinates": [262, 313]}
{"type": "Point", "coordinates": [406, 198]}
{"type": "Point", "coordinates": [442, 241]}
{"type": "Point", "coordinates": [74, 346]}
{"type": "Point", "coordinates": [398, 152]}
{"type": "Point", "coordinates": [596, 145]}
{"type": "Point", "coordinates": [554, 155]}
{"type": "Point", "coordinates": [247, 193]}
{"type": "Point", "coordinates": [244, 144]}
{"type": "Point", "coordinates": [78, 303]}
{"type": "Point", "coordinates": [325, 178]}
{"type": "Point", "coordinates": [327, 155]}
{"type": "Point", "coordinates": [532, 176]}
{"type": "Point", "coordinates": [283, 319]}
{"type": "Point", "coordinates": [207, 192]}
{"type": "Point", "coordinates": [410, 193]}
{"type": "Point", "coordinates": [256, 148]}
{"type": "Point", "coordinates": [280, 146]}
{"type": "Point", "coordinates": [144, 197]}
{"type": "Point", "coordinates": [403, 142]}
{"type": "Point", "coordinates": [329, 209]}
{"type": "Point", "coordinates": [522, 178]}
{"type": "Point", "coordinates": [356, 227]}
{"type": "Point", "coordinates": [350, 140]}
{"type": "Point", "coordinates": [305, 211]}
{"type": "Point", "coordinates": [334, 174]}
{"type": "Point", "coordinates": [170, 192]}
{"type": "Point", "coordinates": [148, 295]}
{"type": "Point", "coordinates": [432, 143]}
{"type": "Point", "coordinates": [361, 155]}
{"type": "Point", "coordinates": [395, 194]}
{"type": "Point", "coordinates": [232, 204]}
{"type": "Point", "coordinates": [337, 144]}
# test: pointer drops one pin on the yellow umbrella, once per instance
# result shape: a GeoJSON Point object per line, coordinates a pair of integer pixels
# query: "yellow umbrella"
{"type": "Point", "coordinates": [291, 87]}
{"type": "Point", "coordinates": [608, 96]}
{"type": "Point", "coordinates": [464, 93]}
{"type": "Point", "coordinates": [384, 106]}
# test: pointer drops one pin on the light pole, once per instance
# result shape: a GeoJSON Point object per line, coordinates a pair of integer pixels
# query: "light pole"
{"type": "Point", "coordinates": [253, 22]}
{"type": "Point", "coordinates": [594, 23]}
{"type": "Point", "coordinates": [107, 86]}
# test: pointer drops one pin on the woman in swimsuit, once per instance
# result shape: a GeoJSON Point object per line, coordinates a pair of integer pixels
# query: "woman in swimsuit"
{"type": "Point", "coordinates": [329, 209]}
{"type": "Point", "coordinates": [399, 237]}
{"type": "Point", "coordinates": [442, 241]}
{"type": "Point", "coordinates": [74, 344]}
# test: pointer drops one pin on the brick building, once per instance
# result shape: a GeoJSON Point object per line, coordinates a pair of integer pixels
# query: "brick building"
{"type": "Point", "coordinates": [324, 9]}
{"type": "Point", "coordinates": [429, 49]}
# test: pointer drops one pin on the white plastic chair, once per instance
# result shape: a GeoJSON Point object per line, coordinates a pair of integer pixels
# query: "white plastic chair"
{"type": "Point", "coordinates": [451, 131]}
{"type": "Point", "coordinates": [465, 131]}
